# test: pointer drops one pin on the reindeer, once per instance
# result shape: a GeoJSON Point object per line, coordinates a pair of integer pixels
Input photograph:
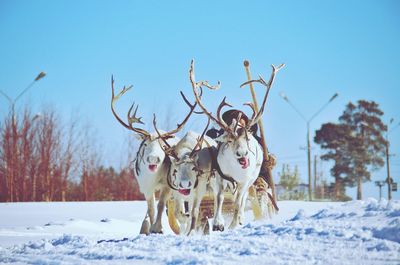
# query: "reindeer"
{"type": "Point", "coordinates": [192, 174]}
{"type": "Point", "coordinates": [151, 165]}
{"type": "Point", "coordinates": [239, 155]}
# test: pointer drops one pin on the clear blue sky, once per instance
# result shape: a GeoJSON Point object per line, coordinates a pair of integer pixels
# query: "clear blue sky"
{"type": "Point", "coordinates": [349, 47]}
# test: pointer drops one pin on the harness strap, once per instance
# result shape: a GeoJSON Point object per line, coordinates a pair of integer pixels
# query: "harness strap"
{"type": "Point", "coordinates": [168, 161]}
{"type": "Point", "coordinates": [200, 172]}
{"type": "Point", "coordinates": [215, 165]}
{"type": "Point", "coordinates": [137, 158]}
{"type": "Point", "coordinates": [197, 181]}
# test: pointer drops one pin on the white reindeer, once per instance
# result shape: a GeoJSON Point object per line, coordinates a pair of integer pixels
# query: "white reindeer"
{"type": "Point", "coordinates": [151, 165]}
{"type": "Point", "coordinates": [239, 155]}
{"type": "Point", "coordinates": [191, 175]}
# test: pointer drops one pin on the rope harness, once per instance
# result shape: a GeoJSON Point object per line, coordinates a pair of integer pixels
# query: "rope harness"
{"type": "Point", "coordinates": [136, 160]}
{"type": "Point", "coordinates": [215, 166]}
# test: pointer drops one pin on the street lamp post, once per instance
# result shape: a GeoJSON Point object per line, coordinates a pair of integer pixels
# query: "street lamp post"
{"type": "Point", "coordinates": [387, 144]}
{"type": "Point", "coordinates": [14, 136]}
{"type": "Point", "coordinates": [308, 121]}
{"type": "Point", "coordinates": [13, 101]}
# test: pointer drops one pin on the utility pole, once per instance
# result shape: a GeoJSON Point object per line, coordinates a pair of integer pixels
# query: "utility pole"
{"type": "Point", "coordinates": [359, 176]}
{"type": "Point", "coordinates": [308, 121]}
{"type": "Point", "coordinates": [315, 177]}
{"type": "Point", "coordinates": [389, 179]}
{"type": "Point", "coordinates": [309, 162]}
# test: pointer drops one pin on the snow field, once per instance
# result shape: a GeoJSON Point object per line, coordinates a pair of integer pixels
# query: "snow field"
{"type": "Point", "coordinates": [357, 232]}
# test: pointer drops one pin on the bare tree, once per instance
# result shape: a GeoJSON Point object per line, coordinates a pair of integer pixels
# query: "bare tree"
{"type": "Point", "coordinates": [44, 159]}
{"type": "Point", "coordinates": [7, 158]}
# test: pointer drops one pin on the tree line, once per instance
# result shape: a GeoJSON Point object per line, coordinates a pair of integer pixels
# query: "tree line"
{"type": "Point", "coordinates": [43, 158]}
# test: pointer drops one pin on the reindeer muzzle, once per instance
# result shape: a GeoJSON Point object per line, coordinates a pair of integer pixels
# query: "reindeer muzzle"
{"type": "Point", "coordinates": [184, 192]}
{"type": "Point", "coordinates": [244, 162]}
{"type": "Point", "coordinates": [153, 167]}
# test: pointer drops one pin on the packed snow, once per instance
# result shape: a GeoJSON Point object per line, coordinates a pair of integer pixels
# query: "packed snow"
{"type": "Point", "coordinates": [356, 232]}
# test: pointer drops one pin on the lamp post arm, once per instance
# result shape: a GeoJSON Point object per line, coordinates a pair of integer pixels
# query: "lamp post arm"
{"type": "Point", "coordinates": [24, 91]}
{"type": "Point", "coordinates": [296, 109]}
{"type": "Point", "coordinates": [7, 97]}
{"type": "Point", "coordinates": [323, 107]}
{"type": "Point", "coordinates": [38, 77]}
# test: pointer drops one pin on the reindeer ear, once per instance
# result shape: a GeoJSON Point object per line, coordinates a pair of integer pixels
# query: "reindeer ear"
{"type": "Point", "coordinates": [173, 160]}
{"type": "Point", "coordinates": [140, 137]}
{"type": "Point", "coordinates": [222, 138]}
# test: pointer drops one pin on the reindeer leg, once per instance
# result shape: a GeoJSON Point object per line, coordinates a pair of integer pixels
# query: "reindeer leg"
{"type": "Point", "coordinates": [189, 216]}
{"type": "Point", "coordinates": [181, 215]}
{"type": "Point", "coordinates": [243, 205]}
{"type": "Point", "coordinates": [218, 222]}
{"type": "Point", "coordinates": [157, 226]}
{"type": "Point", "coordinates": [206, 227]}
{"type": "Point", "coordinates": [201, 190]}
{"type": "Point", "coordinates": [145, 229]}
{"type": "Point", "coordinates": [238, 202]}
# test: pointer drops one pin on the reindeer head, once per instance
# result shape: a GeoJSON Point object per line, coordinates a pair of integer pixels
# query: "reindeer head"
{"type": "Point", "coordinates": [236, 137]}
{"type": "Point", "coordinates": [183, 175]}
{"type": "Point", "coordinates": [186, 167]}
{"type": "Point", "coordinates": [237, 146]}
{"type": "Point", "coordinates": [151, 152]}
{"type": "Point", "coordinates": [184, 171]}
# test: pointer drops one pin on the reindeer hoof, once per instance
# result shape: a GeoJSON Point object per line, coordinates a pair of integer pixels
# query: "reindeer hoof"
{"type": "Point", "coordinates": [206, 228]}
{"type": "Point", "coordinates": [154, 230]}
{"type": "Point", "coordinates": [218, 227]}
{"type": "Point", "coordinates": [145, 229]}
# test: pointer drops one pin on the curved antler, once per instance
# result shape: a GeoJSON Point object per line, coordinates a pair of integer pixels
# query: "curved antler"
{"type": "Point", "coordinates": [220, 107]}
{"type": "Point", "coordinates": [131, 117]}
{"type": "Point", "coordinates": [167, 148]}
{"type": "Point", "coordinates": [253, 108]}
{"type": "Point", "coordinates": [199, 143]}
{"type": "Point", "coordinates": [268, 85]}
{"type": "Point", "coordinates": [196, 86]}
{"type": "Point", "coordinates": [179, 126]}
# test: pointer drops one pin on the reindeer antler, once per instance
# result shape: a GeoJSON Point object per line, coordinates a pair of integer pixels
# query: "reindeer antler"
{"type": "Point", "coordinates": [168, 149]}
{"type": "Point", "coordinates": [199, 143]}
{"type": "Point", "coordinates": [268, 85]}
{"type": "Point", "coordinates": [179, 126]}
{"type": "Point", "coordinates": [131, 117]}
{"type": "Point", "coordinates": [253, 108]}
{"type": "Point", "coordinates": [196, 86]}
